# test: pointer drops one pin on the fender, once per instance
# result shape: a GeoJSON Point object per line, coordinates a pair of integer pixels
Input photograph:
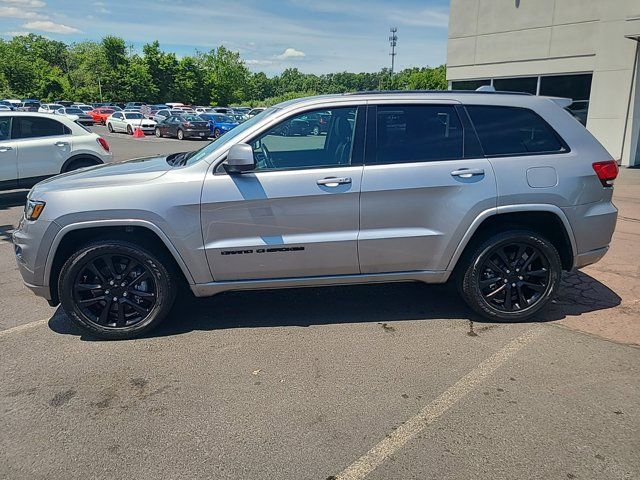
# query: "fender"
{"type": "Point", "coordinates": [529, 207]}
{"type": "Point", "coordinates": [78, 156]}
{"type": "Point", "coordinates": [114, 223]}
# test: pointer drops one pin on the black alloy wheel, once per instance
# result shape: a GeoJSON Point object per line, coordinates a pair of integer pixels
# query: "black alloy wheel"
{"type": "Point", "coordinates": [511, 276]}
{"type": "Point", "coordinates": [115, 289]}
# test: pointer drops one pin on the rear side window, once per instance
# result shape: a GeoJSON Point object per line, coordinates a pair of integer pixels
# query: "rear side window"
{"type": "Point", "coordinates": [417, 133]}
{"type": "Point", "coordinates": [33, 127]}
{"type": "Point", "coordinates": [513, 131]}
{"type": "Point", "coordinates": [5, 128]}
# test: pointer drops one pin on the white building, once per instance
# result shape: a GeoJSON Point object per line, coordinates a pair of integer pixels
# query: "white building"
{"type": "Point", "coordinates": [583, 49]}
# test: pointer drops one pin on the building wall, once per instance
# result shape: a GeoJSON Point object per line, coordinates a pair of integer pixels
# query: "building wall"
{"type": "Point", "coordinates": [505, 38]}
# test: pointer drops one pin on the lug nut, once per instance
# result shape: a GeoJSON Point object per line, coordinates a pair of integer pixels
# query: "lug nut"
{"type": "Point", "coordinates": [520, 278]}
{"type": "Point", "coordinates": [107, 292]}
{"type": "Point", "coordinates": [115, 299]}
{"type": "Point", "coordinates": [505, 280]}
{"type": "Point", "coordinates": [513, 284]}
{"type": "Point", "coordinates": [110, 282]}
{"type": "Point", "coordinates": [124, 294]}
{"type": "Point", "coordinates": [122, 284]}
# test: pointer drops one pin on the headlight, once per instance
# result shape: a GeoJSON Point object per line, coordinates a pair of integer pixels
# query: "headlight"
{"type": "Point", "coordinates": [33, 209]}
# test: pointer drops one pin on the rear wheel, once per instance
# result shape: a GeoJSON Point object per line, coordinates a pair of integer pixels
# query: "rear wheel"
{"type": "Point", "coordinates": [115, 289]}
{"type": "Point", "coordinates": [158, 133]}
{"type": "Point", "coordinates": [216, 133]}
{"type": "Point", "coordinates": [180, 135]}
{"type": "Point", "coordinates": [511, 276]}
{"type": "Point", "coordinates": [80, 163]}
{"type": "Point", "coordinates": [316, 130]}
{"type": "Point", "coordinates": [129, 130]}
{"type": "Point", "coordinates": [110, 127]}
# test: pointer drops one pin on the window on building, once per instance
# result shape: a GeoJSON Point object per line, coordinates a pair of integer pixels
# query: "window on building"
{"type": "Point", "coordinates": [418, 133]}
{"type": "Point", "coordinates": [513, 131]}
{"type": "Point", "coordinates": [576, 87]}
{"type": "Point", "coordinates": [469, 84]}
{"type": "Point", "coordinates": [520, 84]}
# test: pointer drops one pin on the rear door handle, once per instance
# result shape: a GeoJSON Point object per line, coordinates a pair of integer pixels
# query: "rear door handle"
{"type": "Point", "coordinates": [333, 181]}
{"type": "Point", "coordinates": [5, 149]}
{"type": "Point", "coordinates": [62, 144]}
{"type": "Point", "coordinates": [467, 172]}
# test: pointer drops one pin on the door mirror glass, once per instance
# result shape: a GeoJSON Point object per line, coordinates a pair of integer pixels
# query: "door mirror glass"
{"type": "Point", "coordinates": [240, 159]}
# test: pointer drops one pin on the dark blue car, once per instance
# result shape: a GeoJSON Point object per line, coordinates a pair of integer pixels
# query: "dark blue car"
{"type": "Point", "coordinates": [219, 123]}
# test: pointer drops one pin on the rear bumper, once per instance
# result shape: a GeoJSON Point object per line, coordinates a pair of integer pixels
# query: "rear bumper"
{"type": "Point", "coordinates": [593, 225]}
{"type": "Point", "coordinates": [197, 133]}
{"type": "Point", "coordinates": [587, 258]}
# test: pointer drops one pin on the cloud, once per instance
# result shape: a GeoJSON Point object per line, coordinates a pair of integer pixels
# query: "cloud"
{"type": "Point", "coordinates": [290, 53]}
{"type": "Point", "coordinates": [16, 34]}
{"type": "Point", "coordinates": [14, 12]}
{"type": "Point", "coordinates": [48, 26]}
{"type": "Point", "coordinates": [258, 63]}
{"type": "Point", "coordinates": [101, 7]}
{"type": "Point", "coordinates": [26, 3]}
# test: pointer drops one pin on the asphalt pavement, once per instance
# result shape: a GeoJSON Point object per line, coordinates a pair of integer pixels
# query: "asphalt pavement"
{"type": "Point", "coordinates": [390, 381]}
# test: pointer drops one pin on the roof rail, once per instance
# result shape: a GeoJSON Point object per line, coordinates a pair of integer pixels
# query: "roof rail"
{"type": "Point", "coordinates": [442, 92]}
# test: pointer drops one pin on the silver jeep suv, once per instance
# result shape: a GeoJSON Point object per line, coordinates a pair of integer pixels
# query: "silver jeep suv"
{"type": "Point", "coordinates": [499, 192]}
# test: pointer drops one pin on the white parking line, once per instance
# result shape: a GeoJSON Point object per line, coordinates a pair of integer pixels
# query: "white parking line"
{"type": "Point", "coordinates": [21, 328]}
{"type": "Point", "coordinates": [429, 414]}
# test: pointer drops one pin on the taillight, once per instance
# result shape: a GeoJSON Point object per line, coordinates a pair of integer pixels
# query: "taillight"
{"type": "Point", "coordinates": [607, 172]}
{"type": "Point", "coordinates": [103, 143]}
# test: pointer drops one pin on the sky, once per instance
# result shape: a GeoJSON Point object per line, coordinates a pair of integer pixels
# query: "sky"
{"type": "Point", "coordinates": [316, 36]}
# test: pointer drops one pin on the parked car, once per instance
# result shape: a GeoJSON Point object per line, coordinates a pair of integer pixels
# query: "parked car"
{"type": "Point", "coordinates": [8, 104]}
{"type": "Point", "coordinates": [75, 114]}
{"type": "Point", "coordinates": [128, 121]}
{"type": "Point", "coordinates": [83, 107]}
{"type": "Point", "coordinates": [498, 192]}
{"type": "Point", "coordinates": [218, 123]}
{"type": "Point", "coordinates": [163, 114]}
{"type": "Point", "coordinates": [4, 108]}
{"type": "Point", "coordinates": [150, 110]}
{"type": "Point", "coordinates": [29, 105]}
{"type": "Point", "coordinates": [49, 107]}
{"type": "Point", "coordinates": [134, 105]}
{"type": "Point", "coordinates": [64, 103]}
{"type": "Point", "coordinates": [101, 114]}
{"type": "Point", "coordinates": [183, 126]}
{"type": "Point", "coordinates": [253, 112]}
{"type": "Point", "coordinates": [200, 110]}
{"type": "Point", "coordinates": [34, 146]}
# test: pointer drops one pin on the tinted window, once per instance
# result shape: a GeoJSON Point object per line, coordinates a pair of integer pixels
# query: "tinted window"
{"type": "Point", "coordinates": [417, 133]}
{"type": "Point", "coordinates": [520, 84]}
{"type": "Point", "coordinates": [512, 131]}
{"type": "Point", "coordinates": [5, 128]}
{"type": "Point", "coordinates": [290, 144]}
{"type": "Point", "coordinates": [32, 127]}
{"type": "Point", "coordinates": [132, 116]}
{"type": "Point", "coordinates": [117, 115]}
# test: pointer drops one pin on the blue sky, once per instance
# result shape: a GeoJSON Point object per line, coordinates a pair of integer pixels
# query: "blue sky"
{"type": "Point", "coordinates": [316, 36]}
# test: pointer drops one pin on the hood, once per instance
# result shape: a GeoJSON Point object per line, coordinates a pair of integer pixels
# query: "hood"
{"type": "Point", "coordinates": [128, 172]}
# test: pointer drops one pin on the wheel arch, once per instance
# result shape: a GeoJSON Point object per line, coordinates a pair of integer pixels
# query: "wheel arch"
{"type": "Point", "coordinates": [548, 220]}
{"type": "Point", "coordinates": [80, 156]}
{"type": "Point", "coordinates": [140, 232]}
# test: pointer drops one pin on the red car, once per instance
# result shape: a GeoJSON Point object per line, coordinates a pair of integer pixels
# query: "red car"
{"type": "Point", "coordinates": [101, 114]}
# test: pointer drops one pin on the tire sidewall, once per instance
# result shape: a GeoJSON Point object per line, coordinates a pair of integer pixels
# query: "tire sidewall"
{"type": "Point", "coordinates": [470, 288]}
{"type": "Point", "coordinates": [165, 288]}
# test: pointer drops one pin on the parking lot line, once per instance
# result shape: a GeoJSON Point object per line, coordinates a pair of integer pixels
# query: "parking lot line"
{"type": "Point", "coordinates": [21, 328]}
{"type": "Point", "coordinates": [430, 413]}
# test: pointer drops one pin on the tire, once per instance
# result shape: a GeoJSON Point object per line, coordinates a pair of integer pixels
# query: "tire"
{"type": "Point", "coordinates": [516, 289]}
{"type": "Point", "coordinates": [180, 135]}
{"type": "Point", "coordinates": [138, 307]}
{"type": "Point", "coordinates": [129, 130]}
{"type": "Point", "coordinates": [285, 131]}
{"type": "Point", "coordinates": [216, 133]}
{"type": "Point", "coordinates": [316, 130]}
{"type": "Point", "coordinates": [80, 163]}
{"type": "Point", "coordinates": [110, 127]}
{"type": "Point", "coordinates": [158, 133]}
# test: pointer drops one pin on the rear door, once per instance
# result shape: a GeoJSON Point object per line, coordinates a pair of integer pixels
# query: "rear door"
{"type": "Point", "coordinates": [8, 156]}
{"type": "Point", "coordinates": [424, 182]}
{"type": "Point", "coordinates": [44, 144]}
{"type": "Point", "coordinates": [296, 214]}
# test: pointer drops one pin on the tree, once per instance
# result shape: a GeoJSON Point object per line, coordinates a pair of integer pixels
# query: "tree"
{"type": "Point", "coordinates": [226, 77]}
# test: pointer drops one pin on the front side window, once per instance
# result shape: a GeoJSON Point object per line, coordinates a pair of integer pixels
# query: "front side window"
{"type": "Point", "coordinates": [33, 127]}
{"type": "Point", "coordinates": [133, 116]}
{"type": "Point", "coordinates": [292, 145]}
{"type": "Point", "coordinates": [117, 116]}
{"type": "Point", "coordinates": [417, 133]}
{"type": "Point", "coordinates": [513, 131]}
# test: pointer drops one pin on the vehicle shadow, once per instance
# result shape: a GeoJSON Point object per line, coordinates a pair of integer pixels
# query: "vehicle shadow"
{"type": "Point", "coordinates": [303, 307]}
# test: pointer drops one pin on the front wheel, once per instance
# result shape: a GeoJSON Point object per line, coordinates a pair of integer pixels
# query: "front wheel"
{"type": "Point", "coordinates": [180, 135]}
{"type": "Point", "coordinates": [217, 133]}
{"type": "Point", "coordinates": [110, 127]}
{"type": "Point", "coordinates": [158, 133]}
{"type": "Point", "coordinates": [511, 276]}
{"type": "Point", "coordinates": [115, 289]}
{"type": "Point", "coordinates": [129, 130]}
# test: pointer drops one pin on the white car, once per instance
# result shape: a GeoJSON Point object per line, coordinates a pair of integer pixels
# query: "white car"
{"type": "Point", "coordinates": [49, 107]}
{"type": "Point", "coordinates": [83, 107]}
{"type": "Point", "coordinates": [128, 121]}
{"type": "Point", "coordinates": [34, 146]}
{"type": "Point", "coordinates": [200, 110]}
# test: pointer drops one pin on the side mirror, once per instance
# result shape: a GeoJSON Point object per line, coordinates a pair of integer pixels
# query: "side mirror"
{"type": "Point", "coordinates": [240, 159]}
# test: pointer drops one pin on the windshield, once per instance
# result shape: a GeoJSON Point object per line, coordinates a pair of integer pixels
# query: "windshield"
{"type": "Point", "coordinates": [224, 119]}
{"type": "Point", "coordinates": [192, 118]}
{"type": "Point", "coordinates": [132, 116]}
{"type": "Point", "coordinates": [229, 137]}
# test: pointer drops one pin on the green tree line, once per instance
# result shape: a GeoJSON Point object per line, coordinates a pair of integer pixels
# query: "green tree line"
{"type": "Point", "coordinates": [33, 66]}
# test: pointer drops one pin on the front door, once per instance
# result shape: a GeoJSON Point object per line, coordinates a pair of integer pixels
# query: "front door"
{"type": "Point", "coordinates": [296, 214]}
{"type": "Point", "coordinates": [8, 156]}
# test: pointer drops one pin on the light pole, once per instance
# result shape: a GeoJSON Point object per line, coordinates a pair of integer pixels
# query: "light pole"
{"type": "Point", "coordinates": [393, 42]}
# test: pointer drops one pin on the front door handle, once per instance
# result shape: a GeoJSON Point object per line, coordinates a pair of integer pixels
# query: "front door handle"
{"type": "Point", "coordinates": [467, 172]}
{"type": "Point", "coordinates": [333, 181]}
{"type": "Point", "coordinates": [5, 149]}
{"type": "Point", "coordinates": [62, 144]}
